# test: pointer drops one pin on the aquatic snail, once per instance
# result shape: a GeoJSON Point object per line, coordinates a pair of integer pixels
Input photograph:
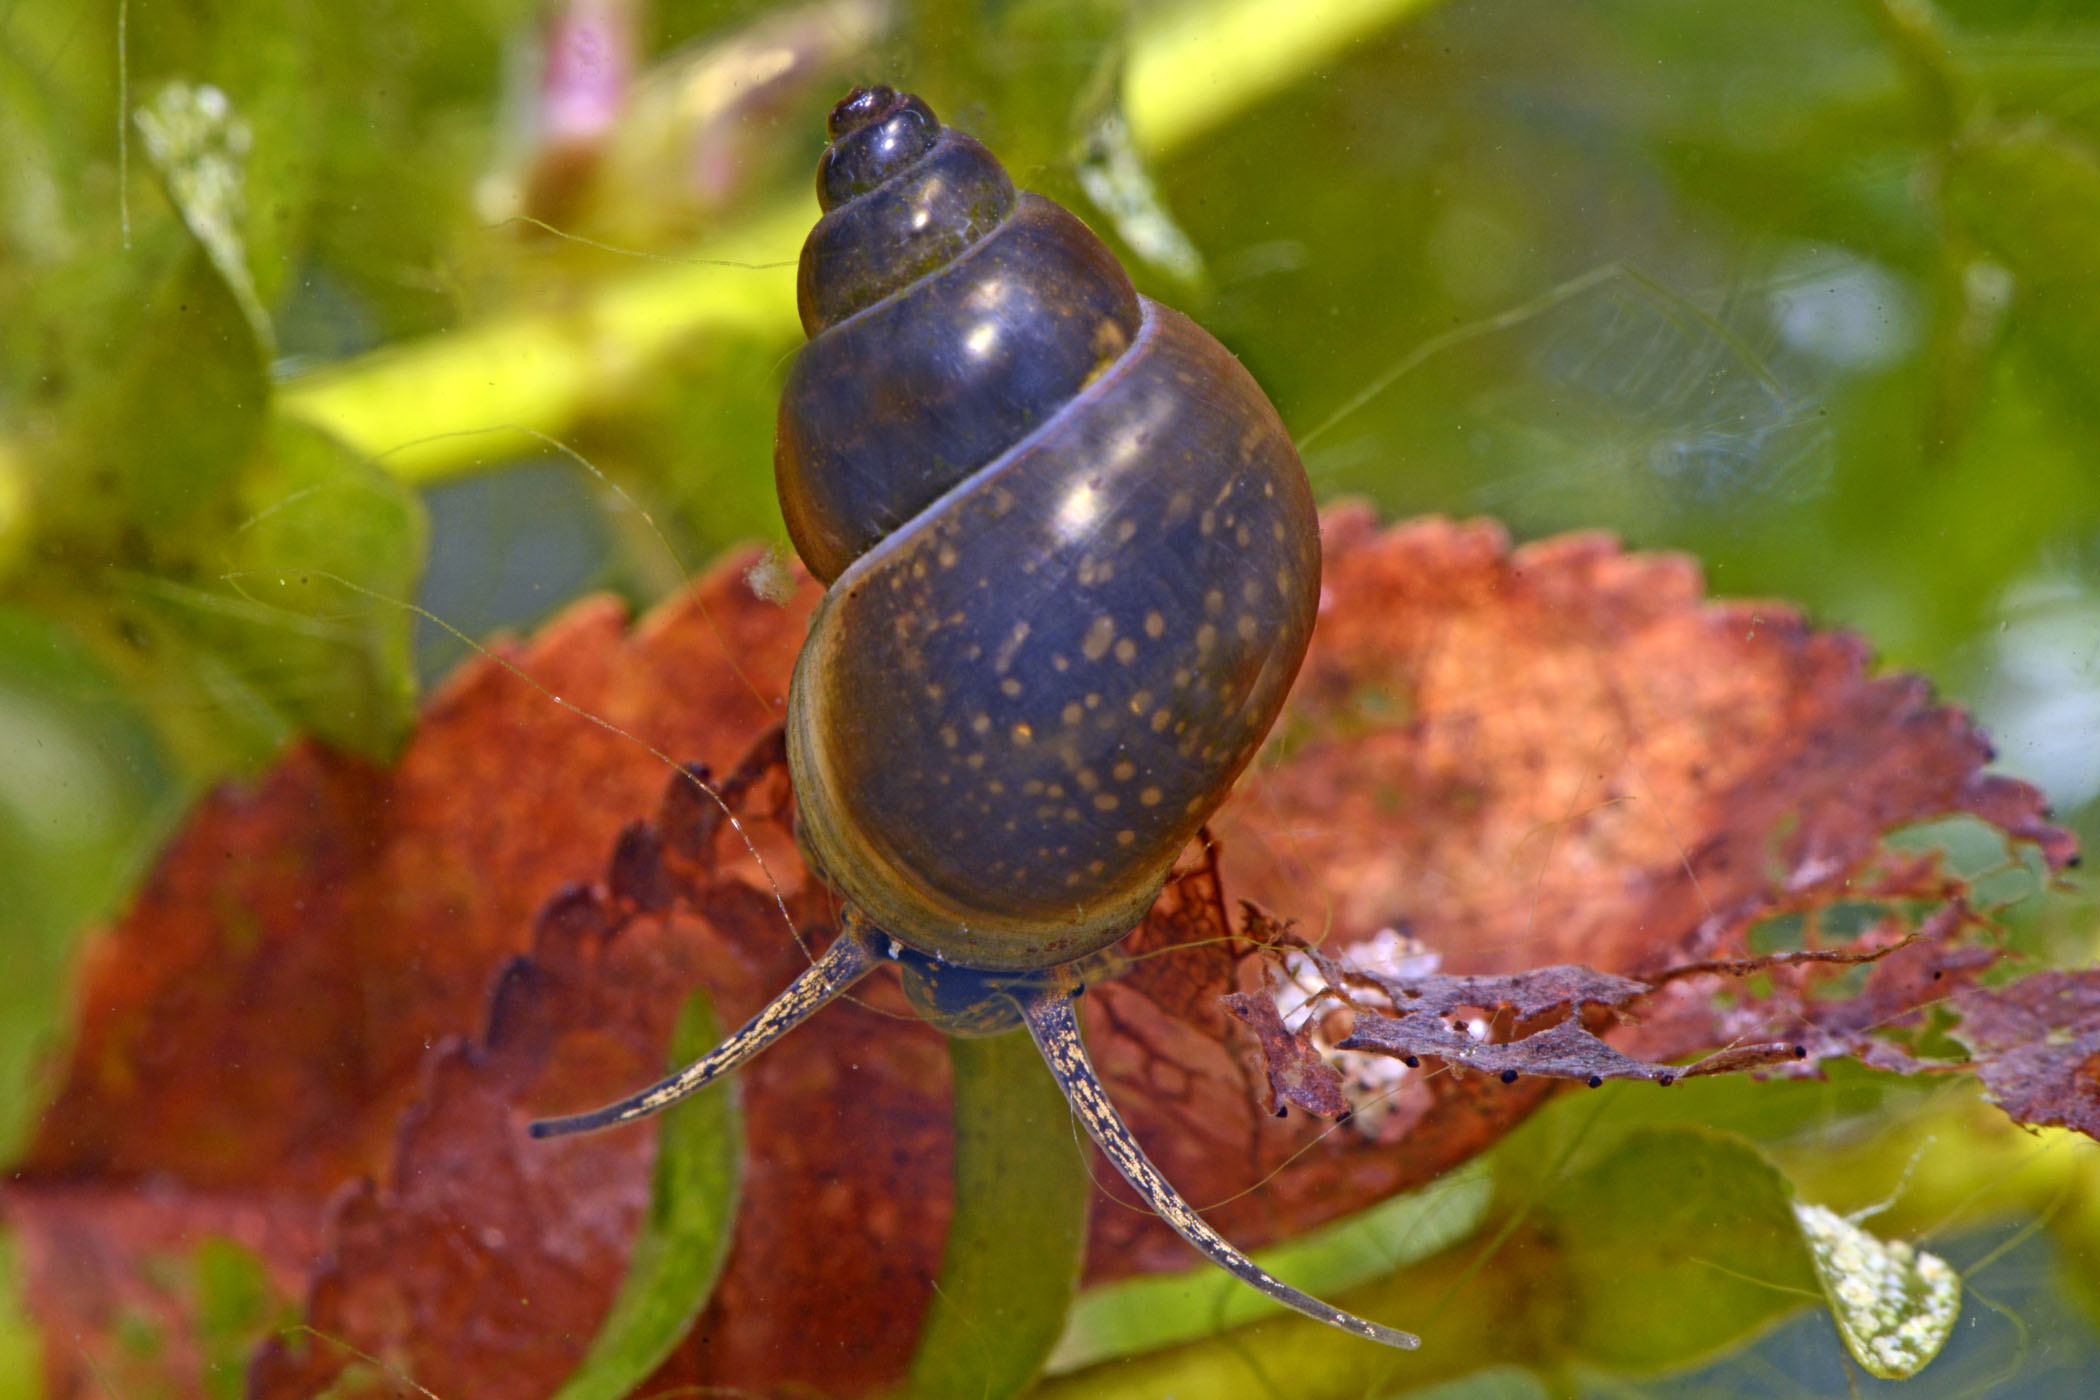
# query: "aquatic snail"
{"type": "Point", "coordinates": [1071, 562]}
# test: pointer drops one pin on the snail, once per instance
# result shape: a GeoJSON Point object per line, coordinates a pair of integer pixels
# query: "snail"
{"type": "Point", "coordinates": [1071, 564]}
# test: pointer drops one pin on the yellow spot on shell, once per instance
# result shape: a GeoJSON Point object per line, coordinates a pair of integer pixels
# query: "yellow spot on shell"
{"type": "Point", "coordinates": [1024, 735]}
{"type": "Point", "coordinates": [1007, 648]}
{"type": "Point", "coordinates": [1126, 837]}
{"type": "Point", "coordinates": [1149, 797]}
{"type": "Point", "coordinates": [1100, 634]}
{"type": "Point", "coordinates": [1155, 625]}
{"type": "Point", "coordinates": [1126, 651]}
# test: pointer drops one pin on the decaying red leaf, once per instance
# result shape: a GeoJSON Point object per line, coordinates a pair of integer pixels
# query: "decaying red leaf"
{"type": "Point", "coordinates": [1557, 755]}
{"type": "Point", "coordinates": [1560, 754]}
{"type": "Point", "coordinates": [482, 1260]}
{"type": "Point", "coordinates": [292, 975]}
{"type": "Point", "coordinates": [262, 1011]}
{"type": "Point", "coordinates": [1298, 1073]}
{"type": "Point", "coordinates": [2038, 1041]}
{"type": "Point", "coordinates": [1547, 1022]}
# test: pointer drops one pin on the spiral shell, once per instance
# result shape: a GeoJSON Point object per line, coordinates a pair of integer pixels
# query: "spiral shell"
{"type": "Point", "coordinates": [1072, 557]}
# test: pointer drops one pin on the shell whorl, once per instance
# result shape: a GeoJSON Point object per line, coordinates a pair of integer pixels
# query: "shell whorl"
{"type": "Point", "coordinates": [948, 317]}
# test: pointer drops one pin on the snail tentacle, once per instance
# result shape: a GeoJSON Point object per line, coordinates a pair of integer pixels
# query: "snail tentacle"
{"type": "Point", "coordinates": [851, 957]}
{"type": "Point", "coordinates": [1056, 1030]}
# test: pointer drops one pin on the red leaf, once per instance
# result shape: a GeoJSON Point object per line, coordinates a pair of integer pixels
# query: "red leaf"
{"type": "Point", "coordinates": [1560, 754]}
{"type": "Point", "coordinates": [2039, 1043]}
{"type": "Point", "coordinates": [1297, 1073]}
{"type": "Point", "coordinates": [1557, 755]}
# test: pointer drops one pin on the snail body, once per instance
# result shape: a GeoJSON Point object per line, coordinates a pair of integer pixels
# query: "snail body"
{"type": "Point", "coordinates": [1072, 565]}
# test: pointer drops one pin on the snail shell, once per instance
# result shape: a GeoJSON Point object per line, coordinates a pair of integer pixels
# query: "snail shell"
{"type": "Point", "coordinates": [1072, 557]}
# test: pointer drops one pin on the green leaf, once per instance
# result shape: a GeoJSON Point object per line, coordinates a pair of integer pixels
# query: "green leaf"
{"type": "Point", "coordinates": [1019, 1230]}
{"type": "Point", "coordinates": [1139, 1315]}
{"type": "Point", "coordinates": [21, 1361]}
{"type": "Point", "coordinates": [1652, 1252]}
{"type": "Point", "coordinates": [168, 400]}
{"type": "Point", "coordinates": [84, 798]}
{"type": "Point", "coordinates": [239, 571]}
{"type": "Point", "coordinates": [278, 616]}
{"type": "Point", "coordinates": [685, 1239]}
{"type": "Point", "coordinates": [170, 488]}
{"type": "Point", "coordinates": [236, 1307]}
{"type": "Point", "coordinates": [1678, 1243]}
{"type": "Point", "coordinates": [329, 545]}
{"type": "Point", "coordinates": [1895, 1305]}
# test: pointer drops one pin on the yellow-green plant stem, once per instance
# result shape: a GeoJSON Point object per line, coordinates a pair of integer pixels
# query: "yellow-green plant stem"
{"type": "Point", "coordinates": [437, 408]}
{"type": "Point", "coordinates": [1194, 67]}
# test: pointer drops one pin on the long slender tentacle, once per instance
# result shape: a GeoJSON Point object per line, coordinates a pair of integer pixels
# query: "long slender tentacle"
{"type": "Point", "coordinates": [850, 958]}
{"type": "Point", "coordinates": [1056, 1031]}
